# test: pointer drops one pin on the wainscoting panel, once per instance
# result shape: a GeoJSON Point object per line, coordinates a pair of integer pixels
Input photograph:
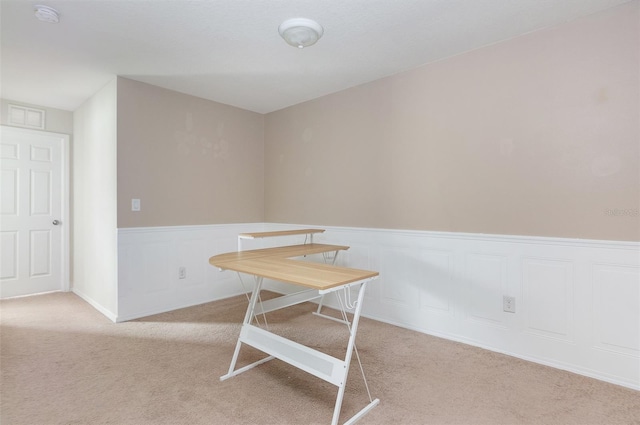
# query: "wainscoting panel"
{"type": "Point", "coordinates": [548, 297]}
{"type": "Point", "coordinates": [577, 301]}
{"type": "Point", "coordinates": [436, 272]}
{"type": "Point", "coordinates": [149, 263]}
{"type": "Point", "coordinates": [616, 295]}
{"type": "Point", "coordinates": [485, 282]}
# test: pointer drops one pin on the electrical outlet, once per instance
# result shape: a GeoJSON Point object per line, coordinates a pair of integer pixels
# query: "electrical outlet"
{"type": "Point", "coordinates": [509, 304]}
{"type": "Point", "coordinates": [182, 273]}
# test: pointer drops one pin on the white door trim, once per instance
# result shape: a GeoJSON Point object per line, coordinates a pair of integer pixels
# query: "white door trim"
{"type": "Point", "coordinates": [65, 176]}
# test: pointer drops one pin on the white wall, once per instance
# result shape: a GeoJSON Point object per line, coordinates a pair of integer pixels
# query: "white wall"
{"type": "Point", "coordinates": [577, 301]}
{"type": "Point", "coordinates": [94, 209]}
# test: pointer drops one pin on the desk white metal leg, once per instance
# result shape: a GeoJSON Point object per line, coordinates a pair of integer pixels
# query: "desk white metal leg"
{"type": "Point", "coordinates": [248, 317]}
{"type": "Point", "coordinates": [353, 329]}
{"type": "Point", "coordinates": [319, 364]}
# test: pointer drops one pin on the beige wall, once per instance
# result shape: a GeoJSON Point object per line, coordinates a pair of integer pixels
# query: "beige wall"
{"type": "Point", "coordinates": [537, 135]}
{"type": "Point", "coordinates": [190, 161]}
{"type": "Point", "coordinates": [95, 260]}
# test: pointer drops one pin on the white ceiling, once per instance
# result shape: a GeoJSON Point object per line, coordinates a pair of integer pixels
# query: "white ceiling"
{"type": "Point", "coordinates": [230, 51]}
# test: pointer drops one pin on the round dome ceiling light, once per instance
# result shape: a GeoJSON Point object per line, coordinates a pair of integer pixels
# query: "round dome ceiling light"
{"type": "Point", "coordinates": [300, 32]}
{"type": "Point", "coordinates": [46, 14]}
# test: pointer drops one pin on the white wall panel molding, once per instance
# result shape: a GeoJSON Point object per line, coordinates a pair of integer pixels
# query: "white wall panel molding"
{"type": "Point", "coordinates": [436, 296]}
{"type": "Point", "coordinates": [150, 260]}
{"type": "Point", "coordinates": [616, 291]}
{"type": "Point", "coordinates": [547, 297]}
{"type": "Point", "coordinates": [485, 283]}
{"type": "Point", "coordinates": [577, 301]}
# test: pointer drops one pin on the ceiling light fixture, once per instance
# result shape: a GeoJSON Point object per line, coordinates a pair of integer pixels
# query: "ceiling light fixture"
{"type": "Point", "coordinates": [300, 32]}
{"type": "Point", "coordinates": [46, 14]}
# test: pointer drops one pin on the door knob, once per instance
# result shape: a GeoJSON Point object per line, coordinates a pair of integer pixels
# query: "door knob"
{"type": "Point", "coordinates": [56, 222]}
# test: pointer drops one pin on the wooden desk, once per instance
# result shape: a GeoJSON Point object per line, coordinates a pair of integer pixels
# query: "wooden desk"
{"type": "Point", "coordinates": [277, 263]}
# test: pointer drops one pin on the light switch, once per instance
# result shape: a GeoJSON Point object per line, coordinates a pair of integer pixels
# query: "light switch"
{"type": "Point", "coordinates": [135, 205]}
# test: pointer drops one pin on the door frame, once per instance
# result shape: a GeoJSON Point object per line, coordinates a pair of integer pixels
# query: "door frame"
{"type": "Point", "coordinates": [65, 246]}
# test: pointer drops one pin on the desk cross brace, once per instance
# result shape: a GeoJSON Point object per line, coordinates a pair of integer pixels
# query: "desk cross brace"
{"type": "Point", "coordinates": [321, 365]}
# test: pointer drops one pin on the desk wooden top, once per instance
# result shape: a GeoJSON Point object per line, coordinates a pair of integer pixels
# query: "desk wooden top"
{"type": "Point", "coordinates": [276, 263]}
{"type": "Point", "coordinates": [279, 252]}
{"type": "Point", "coordinates": [256, 235]}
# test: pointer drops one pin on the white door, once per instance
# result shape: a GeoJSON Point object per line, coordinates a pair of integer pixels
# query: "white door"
{"type": "Point", "coordinates": [33, 231]}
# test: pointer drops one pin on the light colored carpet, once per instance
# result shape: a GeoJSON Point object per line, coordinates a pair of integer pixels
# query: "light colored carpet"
{"type": "Point", "coordinates": [62, 362]}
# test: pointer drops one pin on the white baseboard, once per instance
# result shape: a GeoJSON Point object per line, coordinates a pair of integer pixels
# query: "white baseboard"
{"type": "Point", "coordinates": [569, 367]}
{"type": "Point", "coordinates": [163, 309]}
{"type": "Point", "coordinates": [109, 314]}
